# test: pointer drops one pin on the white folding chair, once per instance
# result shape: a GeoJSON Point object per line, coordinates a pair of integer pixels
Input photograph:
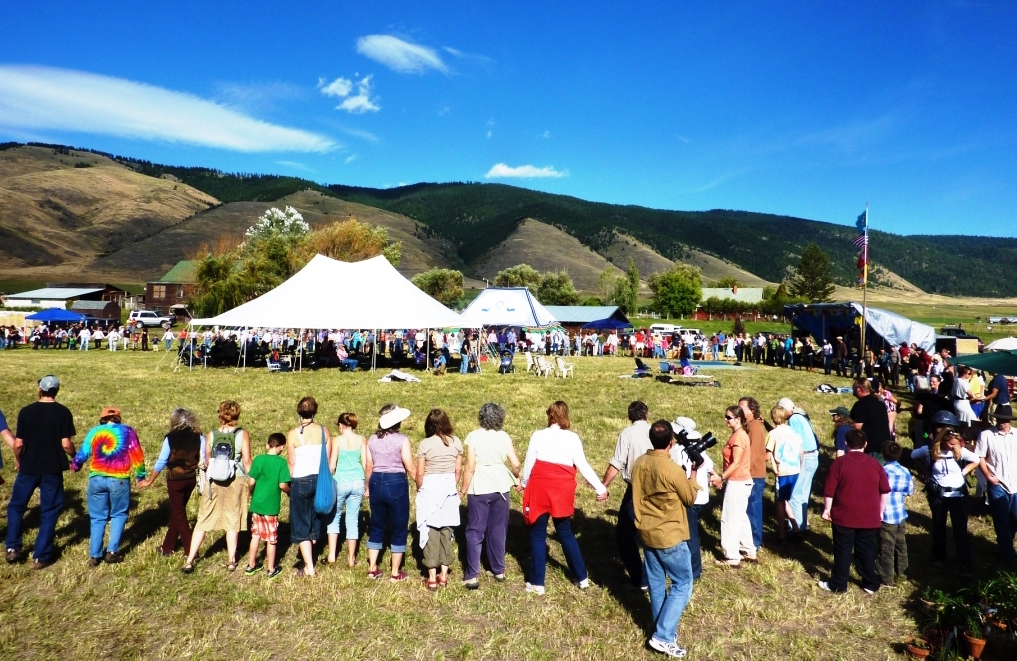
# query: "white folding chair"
{"type": "Point", "coordinates": [543, 368]}
{"type": "Point", "coordinates": [564, 369]}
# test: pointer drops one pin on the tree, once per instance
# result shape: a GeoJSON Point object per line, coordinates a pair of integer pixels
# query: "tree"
{"type": "Point", "coordinates": [677, 292]}
{"type": "Point", "coordinates": [347, 241]}
{"type": "Point", "coordinates": [287, 224]}
{"type": "Point", "coordinates": [556, 288]}
{"type": "Point", "coordinates": [520, 275]}
{"type": "Point", "coordinates": [444, 285]}
{"type": "Point", "coordinates": [632, 293]}
{"type": "Point", "coordinates": [813, 280]}
{"type": "Point", "coordinates": [728, 282]}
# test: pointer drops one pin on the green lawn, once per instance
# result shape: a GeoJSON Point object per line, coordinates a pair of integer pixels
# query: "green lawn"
{"type": "Point", "coordinates": [146, 609]}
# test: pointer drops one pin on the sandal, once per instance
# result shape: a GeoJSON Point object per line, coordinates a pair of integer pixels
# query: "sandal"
{"type": "Point", "coordinates": [374, 574]}
{"type": "Point", "coordinates": [188, 568]}
{"type": "Point", "coordinates": [443, 582]}
{"type": "Point", "coordinates": [398, 578]}
{"type": "Point", "coordinates": [431, 585]}
{"type": "Point", "coordinates": [231, 566]}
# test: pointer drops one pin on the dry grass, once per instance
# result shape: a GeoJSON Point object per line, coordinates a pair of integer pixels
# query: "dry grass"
{"type": "Point", "coordinates": [146, 609]}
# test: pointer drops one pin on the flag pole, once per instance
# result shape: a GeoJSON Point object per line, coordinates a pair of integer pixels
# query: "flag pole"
{"type": "Point", "coordinates": [865, 285]}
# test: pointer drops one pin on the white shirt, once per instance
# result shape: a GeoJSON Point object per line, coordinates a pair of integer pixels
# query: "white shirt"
{"type": "Point", "coordinates": [1000, 453]}
{"type": "Point", "coordinates": [560, 446]}
{"type": "Point", "coordinates": [945, 469]}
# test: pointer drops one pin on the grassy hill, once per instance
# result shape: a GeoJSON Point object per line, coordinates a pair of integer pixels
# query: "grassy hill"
{"type": "Point", "coordinates": [63, 210]}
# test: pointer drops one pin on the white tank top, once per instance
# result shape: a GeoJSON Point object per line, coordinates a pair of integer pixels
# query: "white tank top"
{"type": "Point", "coordinates": [307, 460]}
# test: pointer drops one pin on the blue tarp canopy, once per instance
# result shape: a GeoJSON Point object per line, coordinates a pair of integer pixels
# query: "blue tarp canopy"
{"type": "Point", "coordinates": [828, 320]}
{"type": "Point", "coordinates": [56, 314]}
{"type": "Point", "coordinates": [606, 324]}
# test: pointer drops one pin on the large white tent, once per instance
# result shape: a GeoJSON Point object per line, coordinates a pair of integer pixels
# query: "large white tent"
{"type": "Point", "coordinates": [507, 306]}
{"type": "Point", "coordinates": [332, 294]}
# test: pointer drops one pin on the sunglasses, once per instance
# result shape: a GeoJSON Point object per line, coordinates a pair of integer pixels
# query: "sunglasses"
{"type": "Point", "coordinates": [730, 417]}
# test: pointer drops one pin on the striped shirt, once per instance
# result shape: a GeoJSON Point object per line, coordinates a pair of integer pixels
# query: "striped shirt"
{"type": "Point", "coordinates": [901, 486]}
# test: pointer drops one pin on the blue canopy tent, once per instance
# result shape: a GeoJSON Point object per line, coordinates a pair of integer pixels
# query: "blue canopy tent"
{"type": "Point", "coordinates": [828, 320]}
{"type": "Point", "coordinates": [51, 315]}
{"type": "Point", "coordinates": [606, 324]}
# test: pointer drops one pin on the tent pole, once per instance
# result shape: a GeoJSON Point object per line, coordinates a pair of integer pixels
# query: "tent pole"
{"type": "Point", "coordinates": [374, 352]}
{"type": "Point", "coordinates": [300, 338]}
{"type": "Point", "coordinates": [427, 350]}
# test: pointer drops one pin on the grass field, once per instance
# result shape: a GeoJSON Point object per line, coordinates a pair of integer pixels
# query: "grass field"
{"type": "Point", "coordinates": [146, 609]}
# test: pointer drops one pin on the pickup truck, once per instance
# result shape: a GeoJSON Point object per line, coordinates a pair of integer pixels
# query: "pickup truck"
{"type": "Point", "coordinates": [149, 318]}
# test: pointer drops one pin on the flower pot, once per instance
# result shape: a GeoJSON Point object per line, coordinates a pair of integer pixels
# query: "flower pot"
{"type": "Point", "coordinates": [975, 645]}
{"type": "Point", "coordinates": [915, 651]}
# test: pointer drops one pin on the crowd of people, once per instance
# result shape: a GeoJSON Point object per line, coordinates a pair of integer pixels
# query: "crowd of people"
{"type": "Point", "coordinates": [668, 476]}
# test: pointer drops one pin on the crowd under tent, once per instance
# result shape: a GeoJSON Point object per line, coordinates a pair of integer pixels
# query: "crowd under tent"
{"type": "Point", "coordinates": [507, 306]}
{"type": "Point", "coordinates": [830, 320]}
{"type": "Point", "coordinates": [329, 294]}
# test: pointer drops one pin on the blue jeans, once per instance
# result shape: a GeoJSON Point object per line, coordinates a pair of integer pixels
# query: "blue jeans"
{"type": "Point", "coordinates": [390, 504]}
{"type": "Point", "coordinates": [569, 545]}
{"type": "Point", "coordinates": [349, 495]}
{"type": "Point", "coordinates": [351, 364]}
{"type": "Point", "coordinates": [464, 363]}
{"type": "Point", "coordinates": [51, 502]}
{"type": "Point", "coordinates": [693, 513]}
{"type": "Point", "coordinates": [109, 498]}
{"type": "Point", "coordinates": [1003, 506]}
{"type": "Point", "coordinates": [674, 563]}
{"type": "Point", "coordinates": [803, 488]}
{"type": "Point", "coordinates": [755, 510]}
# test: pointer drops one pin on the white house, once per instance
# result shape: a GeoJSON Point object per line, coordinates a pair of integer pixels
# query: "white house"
{"type": "Point", "coordinates": [51, 297]}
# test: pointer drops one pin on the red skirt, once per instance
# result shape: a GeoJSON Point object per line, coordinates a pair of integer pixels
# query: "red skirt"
{"type": "Point", "coordinates": [551, 489]}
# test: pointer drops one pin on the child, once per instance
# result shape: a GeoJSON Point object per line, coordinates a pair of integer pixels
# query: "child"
{"type": "Point", "coordinates": [269, 477]}
{"type": "Point", "coordinates": [891, 534]}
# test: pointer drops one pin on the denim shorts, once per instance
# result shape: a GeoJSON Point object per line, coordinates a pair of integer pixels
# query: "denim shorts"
{"type": "Point", "coordinates": [305, 524]}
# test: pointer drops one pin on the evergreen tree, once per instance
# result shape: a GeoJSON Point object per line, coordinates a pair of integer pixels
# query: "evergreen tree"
{"type": "Point", "coordinates": [813, 279]}
{"type": "Point", "coordinates": [632, 278]}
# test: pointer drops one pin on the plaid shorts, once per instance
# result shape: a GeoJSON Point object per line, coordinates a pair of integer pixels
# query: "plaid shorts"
{"type": "Point", "coordinates": [265, 527]}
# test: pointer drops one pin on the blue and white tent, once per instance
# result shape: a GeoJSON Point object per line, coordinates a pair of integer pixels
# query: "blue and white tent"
{"type": "Point", "coordinates": [507, 306]}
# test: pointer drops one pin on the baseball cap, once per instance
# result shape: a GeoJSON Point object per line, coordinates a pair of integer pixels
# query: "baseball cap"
{"type": "Point", "coordinates": [841, 411]}
{"type": "Point", "coordinates": [109, 410]}
{"type": "Point", "coordinates": [48, 383]}
{"type": "Point", "coordinates": [786, 404]}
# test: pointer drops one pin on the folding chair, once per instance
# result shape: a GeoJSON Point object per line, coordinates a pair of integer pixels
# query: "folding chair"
{"type": "Point", "coordinates": [564, 369]}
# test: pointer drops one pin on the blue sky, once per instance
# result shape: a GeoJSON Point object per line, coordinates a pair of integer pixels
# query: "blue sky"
{"type": "Point", "coordinates": [800, 108]}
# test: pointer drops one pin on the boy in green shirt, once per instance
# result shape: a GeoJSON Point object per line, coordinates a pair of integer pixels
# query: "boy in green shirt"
{"type": "Point", "coordinates": [269, 477]}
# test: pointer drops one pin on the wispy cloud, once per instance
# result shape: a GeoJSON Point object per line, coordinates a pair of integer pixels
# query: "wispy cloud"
{"type": "Point", "coordinates": [256, 96]}
{"type": "Point", "coordinates": [355, 104]}
{"type": "Point", "coordinates": [400, 55]}
{"type": "Point", "coordinates": [473, 57]}
{"type": "Point", "coordinates": [362, 134]}
{"type": "Point", "coordinates": [490, 128]}
{"type": "Point", "coordinates": [45, 98]}
{"type": "Point", "coordinates": [350, 158]}
{"type": "Point", "coordinates": [546, 135]}
{"type": "Point", "coordinates": [502, 171]}
{"type": "Point", "coordinates": [294, 165]}
{"type": "Point", "coordinates": [444, 110]}
{"type": "Point", "coordinates": [713, 183]}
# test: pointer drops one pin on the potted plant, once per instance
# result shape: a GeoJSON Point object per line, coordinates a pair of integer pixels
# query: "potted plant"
{"type": "Point", "coordinates": [974, 636]}
{"type": "Point", "coordinates": [918, 648]}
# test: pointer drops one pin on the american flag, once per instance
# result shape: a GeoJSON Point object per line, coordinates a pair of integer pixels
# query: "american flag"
{"type": "Point", "coordinates": [862, 241]}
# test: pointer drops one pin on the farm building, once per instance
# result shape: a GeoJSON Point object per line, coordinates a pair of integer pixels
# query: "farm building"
{"type": "Point", "coordinates": [101, 312]}
{"type": "Point", "coordinates": [172, 289]}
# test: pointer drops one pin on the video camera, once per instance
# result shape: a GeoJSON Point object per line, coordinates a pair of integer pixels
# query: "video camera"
{"type": "Point", "coordinates": [695, 449]}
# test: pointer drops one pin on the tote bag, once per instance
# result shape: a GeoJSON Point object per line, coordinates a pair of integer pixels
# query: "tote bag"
{"type": "Point", "coordinates": [324, 493]}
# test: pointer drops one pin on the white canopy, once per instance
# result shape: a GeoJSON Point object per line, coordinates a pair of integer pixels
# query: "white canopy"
{"type": "Point", "coordinates": [1003, 344]}
{"type": "Point", "coordinates": [331, 294]}
{"type": "Point", "coordinates": [506, 306]}
{"type": "Point", "coordinates": [897, 329]}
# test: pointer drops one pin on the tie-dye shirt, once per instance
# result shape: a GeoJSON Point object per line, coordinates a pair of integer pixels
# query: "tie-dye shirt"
{"type": "Point", "coordinates": [114, 451]}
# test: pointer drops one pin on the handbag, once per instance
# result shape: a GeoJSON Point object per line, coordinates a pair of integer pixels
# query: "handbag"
{"type": "Point", "coordinates": [324, 493]}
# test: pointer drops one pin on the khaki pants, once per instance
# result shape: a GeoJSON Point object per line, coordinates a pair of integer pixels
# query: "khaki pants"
{"type": "Point", "coordinates": [735, 527]}
{"type": "Point", "coordinates": [892, 542]}
{"type": "Point", "coordinates": [438, 550]}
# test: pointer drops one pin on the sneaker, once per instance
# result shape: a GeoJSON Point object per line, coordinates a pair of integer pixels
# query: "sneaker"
{"type": "Point", "coordinates": [114, 558]}
{"type": "Point", "coordinates": [667, 647]}
{"type": "Point", "coordinates": [13, 555]}
{"type": "Point", "coordinates": [472, 584]}
{"type": "Point", "coordinates": [274, 573]}
{"type": "Point", "coordinates": [398, 578]}
{"type": "Point", "coordinates": [868, 591]}
{"type": "Point", "coordinates": [250, 571]}
{"type": "Point", "coordinates": [374, 574]}
{"type": "Point", "coordinates": [584, 584]}
{"type": "Point", "coordinates": [535, 589]}
{"type": "Point", "coordinates": [94, 562]}
{"type": "Point", "coordinates": [823, 585]}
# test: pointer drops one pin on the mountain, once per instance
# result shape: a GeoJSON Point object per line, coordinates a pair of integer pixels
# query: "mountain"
{"type": "Point", "coordinates": [65, 212]}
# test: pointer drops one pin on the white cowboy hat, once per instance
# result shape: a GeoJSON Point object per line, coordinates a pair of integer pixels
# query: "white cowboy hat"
{"type": "Point", "coordinates": [689, 425]}
{"type": "Point", "coordinates": [786, 404]}
{"type": "Point", "coordinates": [393, 417]}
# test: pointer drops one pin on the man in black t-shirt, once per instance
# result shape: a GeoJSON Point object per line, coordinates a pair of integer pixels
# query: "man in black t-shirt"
{"type": "Point", "coordinates": [41, 448]}
{"type": "Point", "coordinates": [869, 415]}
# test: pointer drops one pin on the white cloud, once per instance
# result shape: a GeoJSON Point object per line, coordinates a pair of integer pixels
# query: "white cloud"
{"type": "Point", "coordinates": [350, 158]}
{"type": "Point", "coordinates": [489, 133]}
{"type": "Point", "coordinates": [45, 98]}
{"type": "Point", "coordinates": [400, 55]}
{"type": "Point", "coordinates": [473, 57]}
{"type": "Point", "coordinates": [362, 134]}
{"type": "Point", "coordinates": [546, 135]}
{"type": "Point", "coordinates": [502, 171]}
{"type": "Point", "coordinates": [358, 104]}
{"type": "Point", "coordinates": [444, 110]}
{"type": "Point", "coordinates": [295, 165]}
{"type": "Point", "coordinates": [340, 87]}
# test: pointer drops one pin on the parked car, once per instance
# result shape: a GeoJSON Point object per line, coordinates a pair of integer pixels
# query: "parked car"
{"type": "Point", "coordinates": [149, 318]}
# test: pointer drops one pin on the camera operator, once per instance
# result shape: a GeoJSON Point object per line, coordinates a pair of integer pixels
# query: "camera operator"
{"type": "Point", "coordinates": [686, 434]}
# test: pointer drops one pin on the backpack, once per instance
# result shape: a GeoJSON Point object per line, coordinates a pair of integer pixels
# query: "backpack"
{"type": "Point", "coordinates": [223, 466]}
